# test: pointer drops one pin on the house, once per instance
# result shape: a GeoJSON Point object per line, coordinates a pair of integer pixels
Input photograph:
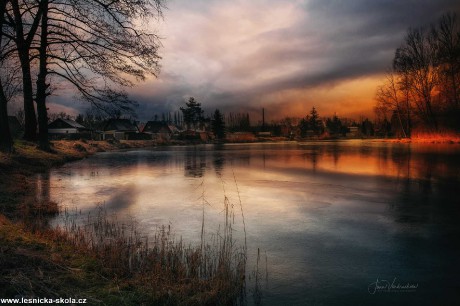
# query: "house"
{"type": "Point", "coordinates": [16, 128]}
{"type": "Point", "coordinates": [120, 129]}
{"type": "Point", "coordinates": [190, 135]}
{"type": "Point", "coordinates": [353, 132]}
{"type": "Point", "coordinates": [264, 134]}
{"type": "Point", "coordinates": [174, 129]}
{"type": "Point", "coordinates": [196, 135]}
{"type": "Point", "coordinates": [68, 128]}
{"type": "Point", "coordinates": [240, 137]}
{"type": "Point", "coordinates": [158, 130]}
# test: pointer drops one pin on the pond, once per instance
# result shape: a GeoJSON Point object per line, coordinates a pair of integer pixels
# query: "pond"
{"type": "Point", "coordinates": [335, 223]}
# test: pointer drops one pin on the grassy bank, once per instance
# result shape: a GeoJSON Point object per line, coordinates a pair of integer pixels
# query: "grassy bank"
{"type": "Point", "coordinates": [435, 138]}
{"type": "Point", "coordinates": [27, 160]}
{"type": "Point", "coordinates": [103, 261]}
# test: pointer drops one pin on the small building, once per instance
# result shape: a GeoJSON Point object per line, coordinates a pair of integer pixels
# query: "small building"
{"type": "Point", "coordinates": [120, 129]}
{"type": "Point", "coordinates": [200, 135]}
{"type": "Point", "coordinates": [174, 129]}
{"type": "Point", "coordinates": [353, 132]}
{"type": "Point", "coordinates": [264, 134]}
{"type": "Point", "coordinates": [16, 128]}
{"type": "Point", "coordinates": [159, 130]}
{"type": "Point", "coordinates": [240, 137]}
{"type": "Point", "coordinates": [68, 128]}
{"type": "Point", "coordinates": [190, 135]}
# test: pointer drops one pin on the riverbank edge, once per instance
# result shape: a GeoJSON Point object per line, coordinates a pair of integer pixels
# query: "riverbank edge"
{"type": "Point", "coordinates": [32, 261]}
{"type": "Point", "coordinates": [33, 257]}
{"type": "Point", "coordinates": [47, 263]}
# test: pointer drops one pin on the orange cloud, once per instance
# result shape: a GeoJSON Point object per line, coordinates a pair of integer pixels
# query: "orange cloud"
{"type": "Point", "coordinates": [350, 98]}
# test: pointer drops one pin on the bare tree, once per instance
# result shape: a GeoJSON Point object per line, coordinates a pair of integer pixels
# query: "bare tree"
{"type": "Point", "coordinates": [6, 141]}
{"type": "Point", "coordinates": [97, 46]}
{"type": "Point", "coordinates": [446, 35]}
{"type": "Point", "coordinates": [425, 79]}
{"type": "Point", "coordinates": [23, 19]}
{"type": "Point", "coordinates": [417, 61]}
{"type": "Point", "coordinates": [393, 96]}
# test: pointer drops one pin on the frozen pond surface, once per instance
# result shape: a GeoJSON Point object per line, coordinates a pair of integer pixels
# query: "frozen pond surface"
{"type": "Point", "coordinates": [329, 218]}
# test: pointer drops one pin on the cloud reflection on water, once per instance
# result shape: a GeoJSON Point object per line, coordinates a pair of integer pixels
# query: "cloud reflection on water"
{"type": "Point", "coordinates": [326, 213]}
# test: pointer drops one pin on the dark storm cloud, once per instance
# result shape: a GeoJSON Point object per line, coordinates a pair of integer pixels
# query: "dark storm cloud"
{"type": "Point", "coordinates": [382, 16]}
{"type": "Point", "coordinates": [236, 55]}
{"type": "Point", "coordinates": [355, 38]}
{"type": "Point", "coordinates": [323, 44]}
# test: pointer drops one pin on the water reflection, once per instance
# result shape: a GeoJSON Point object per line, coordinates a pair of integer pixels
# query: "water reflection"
{"type": "Point", "coordinates": [195, 164]}
{"type": "Point", "coordinates": [37, 208]}
{"type": "Point", "coordinates": [122, 198]}
{"type": "Point", "coordinates": [218, 162]}
{"type": "Point", "coordinates": [332, 216]}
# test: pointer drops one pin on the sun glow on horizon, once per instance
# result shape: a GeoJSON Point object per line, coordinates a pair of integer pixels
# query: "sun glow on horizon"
{"type": "Point", "coordinates": [351, 98]}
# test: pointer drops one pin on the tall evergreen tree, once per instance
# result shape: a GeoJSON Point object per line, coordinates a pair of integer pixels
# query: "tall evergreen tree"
{"type": "Point", "coordinates": [334, 125]}
{"type": "Point", "coordinates": [192, 113]}
{"type": "Point", "coordinates": [314, 122]}
{"type": "Point", "coordinates": [218, 124]}
{"type": "Point", "coordinates": [304, 126]}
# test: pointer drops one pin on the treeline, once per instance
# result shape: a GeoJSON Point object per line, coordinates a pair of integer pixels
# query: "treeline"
{"type": "Point", "coordinates": [315, 126]}
{"type": "Point", "coordinates": [94, 47]}
{"type": "Point", "coordinates": [238, 122]}
{"type": "Point", "coordinates": [175, 117]}
{"type": "Point", "coordinates": [422, 89]}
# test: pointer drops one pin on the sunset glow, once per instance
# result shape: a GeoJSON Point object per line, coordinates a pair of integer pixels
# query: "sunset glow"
{"type": "Point", "coordinates": [230, 152]}
{"type": "Point", "coordinates": [282, 56]}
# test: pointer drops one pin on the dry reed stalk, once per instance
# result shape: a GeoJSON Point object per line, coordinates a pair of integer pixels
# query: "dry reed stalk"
{"type": "Point", "coordinates": [217, 266]}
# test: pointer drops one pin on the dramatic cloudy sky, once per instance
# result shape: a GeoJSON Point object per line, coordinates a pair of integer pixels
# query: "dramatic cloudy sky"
{"type": "Point", "coordinates": [285, 56]}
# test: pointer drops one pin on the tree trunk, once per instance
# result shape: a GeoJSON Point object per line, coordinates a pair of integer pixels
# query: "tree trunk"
{"type": "Point", "coordinates": [30, 119]}
{"type": "Point", "coordinates": [6, 142]}
{"type": "Point", "coordinates": [41, 81]}
{"type": "Point", "coordinates": [408, 122]}
{"type": "Point", "coordinates": [30, 122]}
{"type": "Point", "coordinates": [398, 111]}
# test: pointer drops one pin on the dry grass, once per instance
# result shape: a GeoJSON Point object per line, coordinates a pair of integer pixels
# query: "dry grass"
{"type": "Point", "coordinates": [436, 137]}
{"type": "Point", "coordinates": [164, 268]}
{"type": "Point", "coordinates": [104, 260]}
{"type": "Point", "coordinates": [33, 265]}
{"type": "Point", "coordinates": [27, 154]}
{"type": "Point", "coordinates": [445, 137]}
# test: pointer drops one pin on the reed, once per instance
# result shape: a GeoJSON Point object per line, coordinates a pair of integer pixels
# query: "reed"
{"type": "Point", "coordinates": [165, 268]}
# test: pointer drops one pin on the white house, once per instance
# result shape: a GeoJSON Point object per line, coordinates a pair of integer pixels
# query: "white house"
{"type": "Point", "coordinates": [66, 126]}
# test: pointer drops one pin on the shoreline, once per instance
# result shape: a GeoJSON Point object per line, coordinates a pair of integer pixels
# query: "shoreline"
{"type": "Point", "coordinates": [43, 257]}
{"type": "Point", "coordinates": [42, 262]}
{"type": "Point", "coordinates": [28, 160]}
